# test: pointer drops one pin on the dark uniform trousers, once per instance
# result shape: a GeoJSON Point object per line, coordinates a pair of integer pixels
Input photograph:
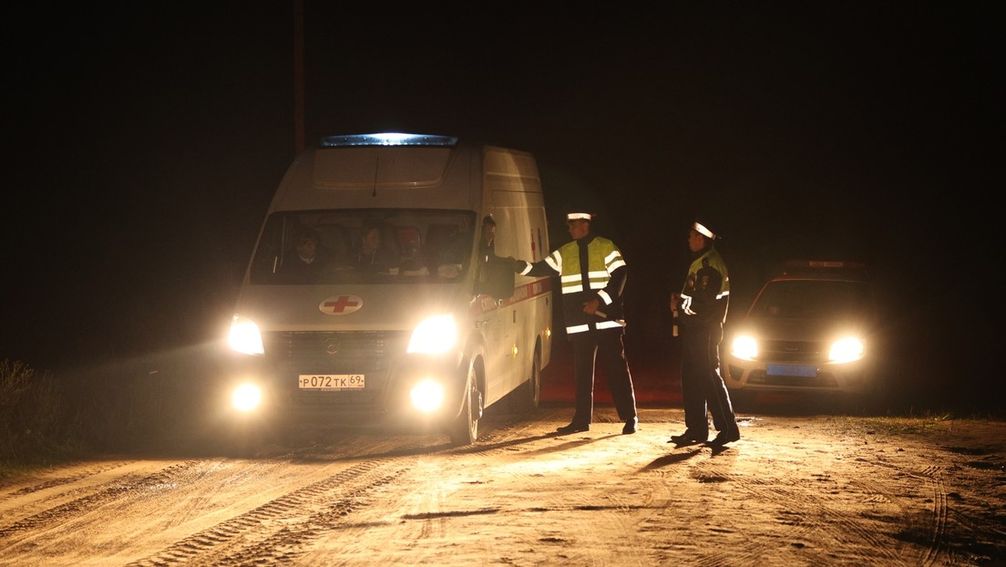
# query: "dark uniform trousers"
{"type": "Point", "coordinates": [701, 380]}
{"type": "Point", "coordinates": [607, 345]}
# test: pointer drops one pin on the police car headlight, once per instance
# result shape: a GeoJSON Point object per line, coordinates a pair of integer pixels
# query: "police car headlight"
{"type": "Point", "coordinates": [435, 335]}
{"type": "Point", "coordinates": [244, 336]}
{"type": "Point", "coordinates": [744, 347]}
{"type": "Point", "coordinates": [846, 349]}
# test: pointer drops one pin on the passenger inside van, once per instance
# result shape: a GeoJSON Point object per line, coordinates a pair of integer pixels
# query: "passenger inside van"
{"type": "Point", "coordinates": [307, 260]}
{"type": "Point", "coordinates": [372, 254]}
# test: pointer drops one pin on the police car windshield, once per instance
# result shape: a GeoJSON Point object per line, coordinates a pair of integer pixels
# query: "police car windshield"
{"type": "Point", "coordinates": [811, 299]}
{"type": "Point", "coordinates": [364, 246]}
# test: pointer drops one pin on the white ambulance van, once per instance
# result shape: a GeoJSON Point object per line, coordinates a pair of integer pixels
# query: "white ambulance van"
{"type": "Point", "coordinates": [376, 292]}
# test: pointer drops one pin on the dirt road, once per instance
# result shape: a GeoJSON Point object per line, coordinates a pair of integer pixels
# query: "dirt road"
{"type": "Point", "coordinates": [795, 490]}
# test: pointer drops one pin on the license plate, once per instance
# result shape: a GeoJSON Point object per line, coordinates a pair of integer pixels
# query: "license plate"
{"type": "Point", "coordinates": [803, 370]}
{"type": "Point", "coordinates": [326, 382]}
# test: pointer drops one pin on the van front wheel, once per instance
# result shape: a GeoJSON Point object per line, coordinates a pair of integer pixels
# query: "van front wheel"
{"type": "Point", "coordinates": [526, 397]}
{"type": "Point", "coordinates": [465, 428]}
{"type": "Point", "coordinates": [533, 396]}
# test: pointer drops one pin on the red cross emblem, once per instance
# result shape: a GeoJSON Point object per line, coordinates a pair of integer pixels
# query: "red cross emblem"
{"type": "Point", "coordinates": [340, 305]}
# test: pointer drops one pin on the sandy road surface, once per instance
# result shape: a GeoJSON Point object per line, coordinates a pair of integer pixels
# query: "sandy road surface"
{"type": "Point", "coordinates": [794, 490]}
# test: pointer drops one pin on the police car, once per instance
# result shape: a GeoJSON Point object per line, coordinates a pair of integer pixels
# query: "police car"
{"type": "Point", "coordinates": [810, 328]}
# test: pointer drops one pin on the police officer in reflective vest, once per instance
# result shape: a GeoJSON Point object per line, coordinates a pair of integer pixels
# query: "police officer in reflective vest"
{"type": "Point", "coordinates": [592, 273]}
{"type": "Point", "coordinates": [701, 308]}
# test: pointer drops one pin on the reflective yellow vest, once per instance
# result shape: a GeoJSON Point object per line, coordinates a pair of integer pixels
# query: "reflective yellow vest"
{"type": "Point", "coordinates": [603, 258]}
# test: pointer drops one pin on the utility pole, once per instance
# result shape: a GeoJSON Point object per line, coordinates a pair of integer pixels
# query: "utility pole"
{"type": "Point", "coordinates": [298, 76]}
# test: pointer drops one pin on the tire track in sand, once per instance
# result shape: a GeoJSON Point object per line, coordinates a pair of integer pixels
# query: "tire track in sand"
{"type": "Point", "coordinates": [279, 528]}
{"type": "Point", "coordinates": [114, 489]}
{"type": "Point", "coordinates": [792, 491]}
{"type": "Point", "coordinates": [932, 475]}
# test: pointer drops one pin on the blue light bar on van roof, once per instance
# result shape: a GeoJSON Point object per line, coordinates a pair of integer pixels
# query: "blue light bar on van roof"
{"type": "Point", "coordinates": [387, 139]}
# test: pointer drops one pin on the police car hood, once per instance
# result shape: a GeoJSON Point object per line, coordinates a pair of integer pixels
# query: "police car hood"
{"type": "Point", "coordinates": [374, 307]}
{"type": "Point", "coordinates": [802, 329]}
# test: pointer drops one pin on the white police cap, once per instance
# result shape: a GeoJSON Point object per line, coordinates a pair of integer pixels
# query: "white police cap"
{"type": "Point", "coordinates": [703, 230]}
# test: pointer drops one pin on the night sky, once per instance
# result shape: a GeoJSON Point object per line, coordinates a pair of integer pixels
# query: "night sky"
{"type": "Point", "coordinates": [143, 149]}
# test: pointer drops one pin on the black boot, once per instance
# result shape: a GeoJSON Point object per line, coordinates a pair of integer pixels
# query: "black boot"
{"type": "Point", "coordinates": [630, 426]}
{"type": "Point", "coordinates": [573, 428]}
{"type": "Point", "coordinates": [728, 435]}
{"type": "Point", "coordinates": [689, 437]}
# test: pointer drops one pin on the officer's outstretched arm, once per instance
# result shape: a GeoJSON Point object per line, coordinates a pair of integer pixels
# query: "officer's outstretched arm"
{"type": "Point", "coordinates": [549, 266]}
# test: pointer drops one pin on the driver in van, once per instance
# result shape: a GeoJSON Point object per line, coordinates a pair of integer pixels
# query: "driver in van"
{"type": "Point", "coordinates": [487, 241]}
{"type": "Point", "coordinates": [487, 253]}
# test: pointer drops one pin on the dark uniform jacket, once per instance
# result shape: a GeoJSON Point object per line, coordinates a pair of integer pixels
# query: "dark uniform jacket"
{"type": "Point", "coordinates": [706, 293]}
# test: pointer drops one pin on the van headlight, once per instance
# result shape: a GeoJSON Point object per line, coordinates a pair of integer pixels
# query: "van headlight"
{"type": "Point", "coordinates": [434, 335]}
{"type": "Point", "coordinates": [846, 349]}
{"type": "Point", "coordinates": [244, 336]}
{"type": "Point", "coordinates": [744, 347]}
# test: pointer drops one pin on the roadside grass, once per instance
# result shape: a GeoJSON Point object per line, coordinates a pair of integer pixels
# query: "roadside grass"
{"type": "Point", "coordinates": [927, 422]}
{"type": "Point", "coordinates": [36, 420]}
{"type": "Point", "coordinates": [134, 406]}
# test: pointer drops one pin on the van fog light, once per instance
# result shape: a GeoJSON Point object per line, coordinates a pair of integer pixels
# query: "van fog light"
{"type": "Point", "coordinates": [246, 397]}
{"type": "Point", "coordinates": [427, 395]}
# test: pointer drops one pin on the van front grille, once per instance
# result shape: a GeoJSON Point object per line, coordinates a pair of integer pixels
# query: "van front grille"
{"type": "Point", "coordinates": [331, 352]}
{"type": "Point", "coordinates": [292, 353]}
